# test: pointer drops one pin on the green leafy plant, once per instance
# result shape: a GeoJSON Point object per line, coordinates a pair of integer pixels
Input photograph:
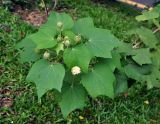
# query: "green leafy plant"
{"type": "Point", "coordinates": [148, 50]}
{"type": "Point", "coordinates": [72, 58]}
{"type": "Point", "coordinates": [79, 60]}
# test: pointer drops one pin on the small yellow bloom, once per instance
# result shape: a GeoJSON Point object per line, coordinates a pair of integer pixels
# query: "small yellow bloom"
{"type": "Point", "coordinates": [81, 117]}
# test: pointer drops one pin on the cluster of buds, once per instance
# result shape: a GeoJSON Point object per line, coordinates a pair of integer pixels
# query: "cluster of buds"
{"type": "Point", "coordinates": [76, 70]}
{"type": "Point", "coordinates": [66, 40]}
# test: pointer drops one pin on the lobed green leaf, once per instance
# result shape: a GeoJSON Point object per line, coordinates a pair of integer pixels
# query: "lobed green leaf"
{"type": "Point", "coordinates": [27, 50]}
{"type": "Point", "coordinates": [73, 97]}
{"type": "Point", "coordinates": [99, 81]}
{"type": "Point", "coordinates": [46, 76]}
{"type": "Point", "coordinates": [101, 42]}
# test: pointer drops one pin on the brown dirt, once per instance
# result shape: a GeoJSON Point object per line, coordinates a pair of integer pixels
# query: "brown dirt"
{"type": "Point", "coordinates": [37, 17]}
{"type": "Point", "coordinates": [34, 17]}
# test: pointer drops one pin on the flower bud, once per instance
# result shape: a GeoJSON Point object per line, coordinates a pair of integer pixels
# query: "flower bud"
{"type": "Point", "coordinates": [46, 55]}
{"type": "Point", "coordinates": [77, 38]}
{"type": "Point", "coordinates": [59, 24]}
{"type": "Point", "coordinates": [66, 38]}
{"type": "Point", "coordinates": [59, 38]}
{"type": "Point", "coordinates": [66, 43]}
{"type": "Point", "coordinates": [76, 70]}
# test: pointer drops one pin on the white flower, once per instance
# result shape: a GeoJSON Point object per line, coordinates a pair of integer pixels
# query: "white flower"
{"type": "Point", "coordinates": [46, 55]}
{"type": "Point", "coordinates": [66, 43]}
{"type": "Point", "coordinates": [76, 70]}
{"type": "Point", "coordinates": [77, 38]}
{"type": "Point", "coordinates": [59, 24]}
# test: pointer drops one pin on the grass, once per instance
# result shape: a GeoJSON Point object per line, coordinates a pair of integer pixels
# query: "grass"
{"type": "Point", "coordinates": [26, 109]}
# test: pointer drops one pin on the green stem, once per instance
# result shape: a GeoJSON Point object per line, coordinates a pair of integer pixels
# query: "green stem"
{"type": "Point", "coordinates": [72, 82]}
{"type": "Point", "coordinates": [156, 23]}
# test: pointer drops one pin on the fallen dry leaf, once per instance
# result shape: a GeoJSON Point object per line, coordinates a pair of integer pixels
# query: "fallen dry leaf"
{"type": "Point", "coordinates": [6, 102]}
{"type": "Point", "coordinates": [153, 121]}
{"type": "Point", "coordinates": [6, 92]}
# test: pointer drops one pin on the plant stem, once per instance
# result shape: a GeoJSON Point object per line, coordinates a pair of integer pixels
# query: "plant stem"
{"type": "Point", "coordinates": [55, 3]}
{"type": "Point", "coordinates": [156, 24]}
{"type": "Point", "coordinates": [72, 82]}
{"type": "Point", "coordinates": [156, 30]}
{"type": "Point", "coordinates": [45, 7]}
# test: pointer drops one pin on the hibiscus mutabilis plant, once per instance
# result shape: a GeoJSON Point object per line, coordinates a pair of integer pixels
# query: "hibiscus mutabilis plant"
{"type": "Point", "coordinates": [74, 58]}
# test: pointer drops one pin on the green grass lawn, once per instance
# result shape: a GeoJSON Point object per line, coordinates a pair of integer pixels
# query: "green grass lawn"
{"type": "Point", "coordinates": [132, 109]}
